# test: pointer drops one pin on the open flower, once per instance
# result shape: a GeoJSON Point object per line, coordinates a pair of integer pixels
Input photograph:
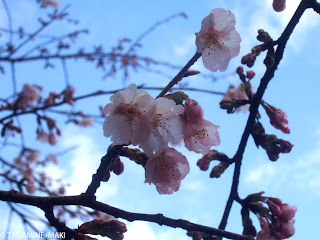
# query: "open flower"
{"type": "Point", "coordinates": [129, 112]}
{"type": "Point", "coordinates": [199, 134]}
{"type": "Point", "coordinates": [218, 41]}
{"type": "Point", "coordinates": [165, 169]}
{"type": "Point", "coordinates": [200, 137]}
{"type": "Point", "coordinates": [166, 126]}
{"type": "Point", "coordinates": [29, 95]}
{"type": "Point", "coordinates": [238, 93]}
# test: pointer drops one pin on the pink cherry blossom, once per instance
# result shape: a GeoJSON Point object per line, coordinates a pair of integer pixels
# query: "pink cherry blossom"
{"type": "Point", "coordinates": [33, 156]}
{"type": "Point", "coordinates": [199, 134]}
{"type": "Point", "coordinates": [279, 5]}
{"type": "Point", "coordinates": [282, 218]}
{"type": "Point", "coordinates": [193, 112]}
{"type": "Point", "coordinates": [31, 187]}
{"type": "Point", "coordinates": [218, 41]}
{"type": "Point", "coordinates": [283, 229]}
{"type": "Point", "coordinates": [278, 118]}
{"type": "Point", "coordinates": [86, 122]}
{"type": "Point", "coordinates": [166, 126]}
{"type": "Point", "coordinates": [238, 93]}
{"type": "Point", "coordinates": [129, 116]}
{"type": "Point", "coordinates": [165, 169]}
{"type": "Point", "coordinates": [29, 95]}
{"type": "Point", "coordinates": [50, 3]}
{"type": "Point", "coordinates": [265, 233]}
{"type": "Point", "coordinates": [42, 136]}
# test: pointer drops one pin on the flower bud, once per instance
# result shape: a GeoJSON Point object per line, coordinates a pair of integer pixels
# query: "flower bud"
{"type": "Point", "coordinates": [279, 5]}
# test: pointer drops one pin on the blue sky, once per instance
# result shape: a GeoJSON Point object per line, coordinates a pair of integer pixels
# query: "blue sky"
{"type": "Point", "coordinates": [294, 178]}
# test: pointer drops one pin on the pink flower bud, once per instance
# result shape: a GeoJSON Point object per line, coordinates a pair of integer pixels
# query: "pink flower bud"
{"type": "Point", "coordinates": [278, 118]}
{"type": "Point", "coordinates": [42, 136]}
{"type": "Point", "coordinates": [193, 112]}
{"type": "Point", "coordinates": [287, 211]}
{"type": "Point", "coordinates": [31, 187]}
{"type": "Point", "coordinates": [52, 139]}
{"type": "Point", "coordinates": [279, 5]}
{"type": "Point", "coordinates": [33, 156]}
{"type": "Point", "coordinates": [117, 166]}
{"type": "Point", "coordinates": [250, 74]}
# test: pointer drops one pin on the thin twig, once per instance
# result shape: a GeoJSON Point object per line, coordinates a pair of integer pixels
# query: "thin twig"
{"type": "Point", "coordinates": [180, 74]}
{"type": "Point", "coordinates": [4, 2]}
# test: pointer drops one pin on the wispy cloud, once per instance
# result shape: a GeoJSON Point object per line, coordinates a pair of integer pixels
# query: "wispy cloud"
{"type": "Point", "coordinates": [83, 162]}
{"type": "Point", "coordinates": [301, 173]}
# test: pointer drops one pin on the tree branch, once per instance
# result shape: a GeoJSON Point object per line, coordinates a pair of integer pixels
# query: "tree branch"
{"type": "Point", "coordinates": [282, 41]}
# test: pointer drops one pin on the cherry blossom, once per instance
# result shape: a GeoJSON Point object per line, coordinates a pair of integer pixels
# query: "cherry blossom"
{"type": "Point", "coordinates": [50, 3]}
{"type": "Point", "coordinates": [86, 122]}
{"type": "Point", "coordinates": [238, 93]}
{"type": "Point", "coordinates": [278, 118]}
{"type": "Point", "coordinates": [265, 233]}
{"type": "Point", "coordinates": [165, 169]}
{"type": "Point", "coordinates": [42, 136]}
{"type": "Point", "coordinates": [166, 126]}
{"type": "Point", "coordinates": [218, 41]}
{"type": "Point", "coordinates": [281, 225]}
{"type": "Point", "coordinates": [193, 112]}
{"type": "Point", "coordinates": [200, 137]}
{"type": "Point", "coordinates": [199, 134]}
{"type": "Point", "coordinates": [129, 112]}
{"type": "Point", "coordinates": [29, 95]}
{"type": "Point", "coordinates": [33, 156]}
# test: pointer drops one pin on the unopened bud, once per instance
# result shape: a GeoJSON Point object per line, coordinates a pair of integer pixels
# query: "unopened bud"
{"type": "Point", "coordinates": [279, 5]}
{"type": "Point", "coordinates": [250, 74]}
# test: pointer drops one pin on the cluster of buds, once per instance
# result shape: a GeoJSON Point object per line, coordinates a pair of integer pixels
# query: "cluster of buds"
{"type": "Point", "coordinates": [112, 229]}
{"type": "Point", "coordinates": [66, 95]}
{"type": "Point", "coordinates": [203, 163]}
{"type": "Point", "coordinates": [250, 58]}
{"type": "Point", "coordinates": [45, 137]}
{"type": "Point", "coordinates": [28, 96]}
{"type": "Point", "coordinates": [9, 128]}
{"type": "Point", "coordinates": [49, 3]}
{"type": "Point", "coordinates": [23, 164]}
{"type": "Point", "coordinates": [281, 224]}
{"type": "Point", "coordinates": [238, 99]}
{"type": "Point", "coordinates": [276, 218]}
{"type": "Point", "coordinates": [270, 143]}
{"type": "Point", "coordinates": [117, 167]}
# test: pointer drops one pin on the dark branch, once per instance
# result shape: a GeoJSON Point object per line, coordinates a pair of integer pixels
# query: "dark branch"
{"type": "Point", "coordinates": [282, 41]}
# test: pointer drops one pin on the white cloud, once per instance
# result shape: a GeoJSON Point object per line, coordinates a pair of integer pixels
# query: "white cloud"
{"type": "Point", "coordinates": [139, 230]}
{"type": "Point", "coordinates": [300, 172]}
{"type": "Point", "coordinates": [83, 162]}
{"type": "Point", "coordinates": [185, 47]}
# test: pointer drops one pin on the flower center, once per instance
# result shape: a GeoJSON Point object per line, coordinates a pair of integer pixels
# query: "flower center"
{"type": "Point", "coordinates": [200, 134]}
{"type": "Point", "coordinates": [212, 37]}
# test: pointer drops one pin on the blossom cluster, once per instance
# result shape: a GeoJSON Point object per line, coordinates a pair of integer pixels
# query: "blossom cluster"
{"type": "Point", "coordinates": [135, 117]}
{"type": "Point", "coordinates": [281, 226]}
